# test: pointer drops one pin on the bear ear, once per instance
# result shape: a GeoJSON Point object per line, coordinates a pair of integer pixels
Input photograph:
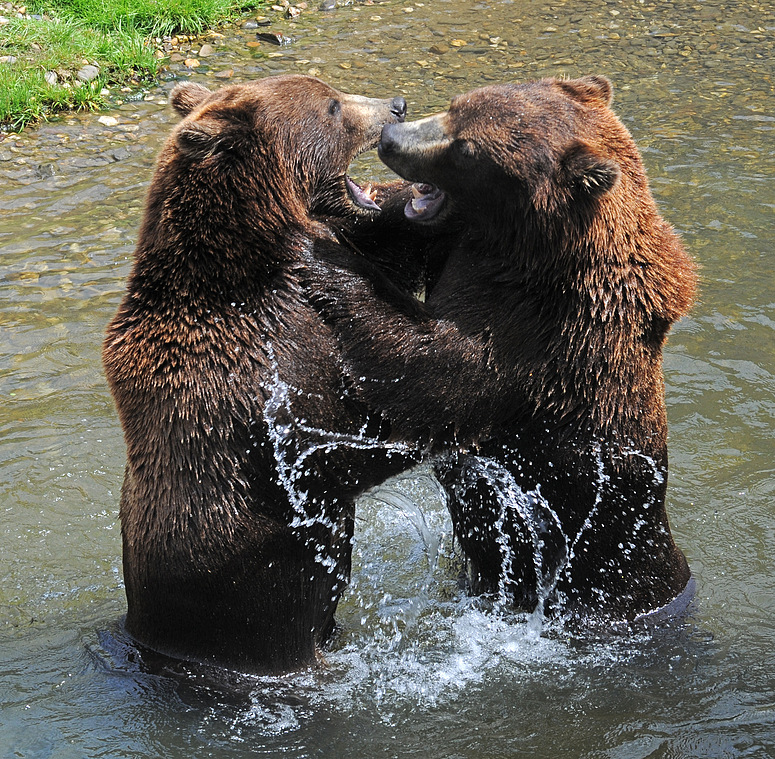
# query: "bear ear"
{"type": "Point", "coordinates": [588, 173]}
{"type": "Point", "coordinates": [206, 134]}
{"type": "Point", "coordinates": [199, 138]}
{"type": "Point", "coordinates": [589, 88]}
{"type": "Point", "coordinates": [187, 96]}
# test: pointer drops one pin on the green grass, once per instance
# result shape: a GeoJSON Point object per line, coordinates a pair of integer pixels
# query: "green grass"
{"type": "Point", "coordinates": [155, 18]}
{"type": "Point", "coordinates": [115, 35]}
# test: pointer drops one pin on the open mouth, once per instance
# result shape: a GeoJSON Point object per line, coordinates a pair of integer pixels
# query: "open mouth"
{"type": "Point", "coordinates": [427, 200]}
{"type": "Point", "coordinates": [363, 197]}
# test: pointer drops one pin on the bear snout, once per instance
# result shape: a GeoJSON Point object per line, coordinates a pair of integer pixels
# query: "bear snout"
{"type": "Point", "coordinates": [388, 142]}
{"type": "Point", "coordinates": [409, 148]}
{"type": "Point", "coordinates": [398, 108]}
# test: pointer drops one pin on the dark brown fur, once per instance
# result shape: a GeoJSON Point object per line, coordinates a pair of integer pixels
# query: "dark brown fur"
{"type": "Point", "coordinates": [541, 342]}
{"type": "Point", "coordinates": [221, 565]}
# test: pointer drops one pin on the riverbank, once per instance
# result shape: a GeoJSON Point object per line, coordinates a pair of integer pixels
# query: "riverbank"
{"type": "Point", "coordinates": [70, 55]}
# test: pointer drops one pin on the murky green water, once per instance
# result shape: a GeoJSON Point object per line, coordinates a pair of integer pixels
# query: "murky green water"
{"type": "Point", "coordinates": [420, 670]}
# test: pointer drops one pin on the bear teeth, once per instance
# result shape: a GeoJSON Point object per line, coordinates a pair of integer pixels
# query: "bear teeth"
{"type": "Point", "coordinates": [370, 192]}
{"type": "Point", "coordinates": [365, 198]}
{"type": "Point", "coordinates": [420, 190]}
{"type": "Point", "coordinates": [426, 201]}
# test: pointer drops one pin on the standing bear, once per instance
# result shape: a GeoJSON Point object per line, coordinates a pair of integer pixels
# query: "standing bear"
{"type": "Point", "coordinates": [539, 346]}
{"type": "Point", "coordinates": [236, 508]}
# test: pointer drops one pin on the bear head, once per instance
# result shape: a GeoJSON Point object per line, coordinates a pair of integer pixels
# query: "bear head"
{"type": "Point", "coordinates": [283, 142]}
{"type": "Point", "coordinates": [533, 148]}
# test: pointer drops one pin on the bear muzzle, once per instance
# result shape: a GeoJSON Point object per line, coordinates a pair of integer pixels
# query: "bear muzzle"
{"type": "Point", "coordinates": [406, 147]}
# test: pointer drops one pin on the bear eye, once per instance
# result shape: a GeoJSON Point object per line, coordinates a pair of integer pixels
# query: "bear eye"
{"type": "Point", "coordinates": [334, 108]}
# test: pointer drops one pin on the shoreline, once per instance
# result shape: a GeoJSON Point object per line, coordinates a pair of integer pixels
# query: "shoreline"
{"type": "Point", "coordinates": [36, 85]}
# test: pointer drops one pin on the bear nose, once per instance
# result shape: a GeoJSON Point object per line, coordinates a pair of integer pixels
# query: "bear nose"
{"type": "Point", "coordinates": [398, 108]}
{"type": "Point", "coordinates": [387, 142]}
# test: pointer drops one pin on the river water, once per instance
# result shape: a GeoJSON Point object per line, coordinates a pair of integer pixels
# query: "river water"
{"type": "Point", "coordinates": [420, 668]}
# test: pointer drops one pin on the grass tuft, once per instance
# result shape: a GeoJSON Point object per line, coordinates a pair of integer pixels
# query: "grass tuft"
{"type": "Point", "coordinates": [114, 35]}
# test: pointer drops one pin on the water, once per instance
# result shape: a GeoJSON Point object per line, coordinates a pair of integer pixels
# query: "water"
{"type": "Point", "coordinates": [419, 669]}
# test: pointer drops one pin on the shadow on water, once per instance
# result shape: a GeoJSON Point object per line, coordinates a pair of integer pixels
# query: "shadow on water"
{"type": "Point", "coordinates": [419, 668]}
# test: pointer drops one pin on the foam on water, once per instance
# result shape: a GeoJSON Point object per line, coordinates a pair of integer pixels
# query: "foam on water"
{"type": "Point", "coordinates": [410, 635]}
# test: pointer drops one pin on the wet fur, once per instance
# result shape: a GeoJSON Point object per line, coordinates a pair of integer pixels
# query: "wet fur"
{"type": "Point", "coordinates": [540, 344]}
{"type": "Point", "coordinates": [213, 317]}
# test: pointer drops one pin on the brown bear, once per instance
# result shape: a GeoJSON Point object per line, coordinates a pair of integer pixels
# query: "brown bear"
{"type": "Point", "coordinates": [237, 505]}
{"type": "Point", "coordinates": [539, 346]}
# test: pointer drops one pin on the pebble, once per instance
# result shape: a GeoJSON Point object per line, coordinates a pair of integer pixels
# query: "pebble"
{"type": "Point", "coordinates": [88, 73]}
{"type": "Point", "coordinates": [225, 74]}
{"type": "Point", "coordinates": [51, 77]}
{"type": "Point", "coordinates": [7, 59]}
{"type": "Point", "coordinates": [206, 50]}
{"type": "Point", "coordinates": [108, 121]}
{"type": "Point", "coordinates": [191, 63]}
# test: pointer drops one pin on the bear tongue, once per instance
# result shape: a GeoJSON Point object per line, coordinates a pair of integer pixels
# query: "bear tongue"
{"type": "Point", "coordinates": [426, 202]}
{"type": "Point", "coordinates": [362, 197]}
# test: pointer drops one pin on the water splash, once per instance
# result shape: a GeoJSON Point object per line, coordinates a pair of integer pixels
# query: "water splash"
{"type": "Point", "coordinates": [294, 442]}
{"type": "Point", "coordinates": [414, 636]}
{"type": "Point", "coordinates": [554, 547]}
{"type": "Point", "coordinates": [410, 633]}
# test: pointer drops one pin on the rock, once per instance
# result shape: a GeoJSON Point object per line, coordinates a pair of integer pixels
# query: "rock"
{"type": "Point", "coordinates": [225, 74]}
{"type": "Point", "coordinates": [88, 73]}
{"type": "Point", "coordinates": [206, 50]}
{"type": "Point", "coordinates": [439, 49]}
{"type": "Point", "coordinates": [108, 120]}
{"type": "Point", "coordinates": [327, 5]}
{"type": "Point", "coordinates": [176, 58]}
{"type": "Point", "coordinates": [274, 38]}
{"type": "Point", "coordinates": [7, 59]}
{"type": "Point", "coordinates": [191, 63]}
